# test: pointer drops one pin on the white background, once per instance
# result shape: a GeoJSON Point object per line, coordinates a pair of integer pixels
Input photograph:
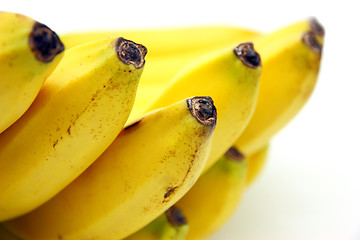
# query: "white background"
{"type": "Point", "coordinates": [309, 188]}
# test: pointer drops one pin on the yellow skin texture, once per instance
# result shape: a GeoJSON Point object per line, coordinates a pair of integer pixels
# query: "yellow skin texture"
{"type": "Point", "coordinates": [233, 87]}
{"type": "Point", "coordinates": [170, 50]}
{"type": "Point", "coordinates": [130, 183]}
{"type": "Point", "coordinates": [256, 163]}
{"type": "Point", "coordinates": [290, 71]}
{"type": "Point", "coordinates": [214, 197]}
{"type": "Point", "coordinates": [160, 229]}
{"type": "Point", "coordinates": [83, 105]}
{"type": "Point", "coordinates": [21, 74]}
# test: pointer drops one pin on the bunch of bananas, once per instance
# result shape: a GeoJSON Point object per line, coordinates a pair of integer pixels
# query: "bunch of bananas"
{"type": "Point", "coordinates": [97, 144]}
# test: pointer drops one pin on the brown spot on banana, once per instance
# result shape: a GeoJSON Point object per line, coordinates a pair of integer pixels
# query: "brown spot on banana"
{"type": "Point", "coordinates": [311, 42]}
{"type": "Point", "coordinates": [131, 53]}
{"type": "Point", "coordinates": [316, 27]}
{"type": "Point", "coordinates": [175, 216]}
{"type": "Point", "coordinates": [55, 143]}
{"type": "Point", "coordinates": [44, 43]}
{"type": "Point", "coordinates": [247, 54]}
{"type": "Point", "coordinates": [234, 154]}
{"type": "Point", "coordinates": [169, 191]}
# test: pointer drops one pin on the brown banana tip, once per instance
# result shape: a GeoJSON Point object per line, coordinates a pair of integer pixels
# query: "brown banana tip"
{"type": "Point", "coordinates": [247, 54]}
{"type": "Point", "coordinates": [44, 43]}
{"type": "Point", "coordinates": [234, 154]}
{"type": "Point", "coordinates": [309, 38]}
{"type": "Point", "coordinates": [203, 109]}
{"type": "Point", "coordinates": [175, 216]}
{"type": "Point", "coordinates": [131, 53]}
{"type": "Point", "coordinates": [316, 27]}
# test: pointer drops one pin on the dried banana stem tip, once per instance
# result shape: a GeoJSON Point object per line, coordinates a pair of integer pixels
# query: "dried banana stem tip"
{"type": "Point", "coordinates": [234, 154]}
{"type": "Point", "coordinates": [247, 54]}
{"type": "Point", "coordinates": [316, 27]}
{"type": "Point", "coordinates": [310, 40]}
{"type": "Point", "coordinates": [44, 43]}
{"type": "Point", "coordinates": [131, 53]}
{"type": "Point", "coordinates": [203, 109]}
{"type": "Point", "coordinates": [175, 217]}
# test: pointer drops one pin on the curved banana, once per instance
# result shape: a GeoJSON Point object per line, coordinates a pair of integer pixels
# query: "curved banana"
{"type": "Point", "coordinates": [230, 76]}
{"type": "Point", "coordinates": [29, 52]}
{"type": "Point", "coordinates": [256, 163]}
{"type": "Point", "coordinates": [215, 196]}
{"type": "Point", "coordinates": [291, 62]}
{"type": "Point", "coordinates": [171, 225]}
{"type": "Point", "coordinates": [170, 50]}
{"type": "Point", "coordinates": [79, 111]}
{"type": "Point", "coordinates": [150, 165]}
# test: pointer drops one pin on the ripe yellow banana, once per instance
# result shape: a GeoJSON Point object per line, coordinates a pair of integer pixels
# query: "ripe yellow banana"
{"type": "Point", "coordinates": [172, 225]}
{"type": "Point", "coordinates": [29, 52]}
{"type": "Point", "coordinates": [256, 163]}
{"type": "Point", "coordinates": [150, 165]}
{"type": "Point", "coordinates": [79, 111]}
{"type": "Point", "coordinates": [230, 76]}
{"type": "Point", "coordinates": [291, 60]}
{"type": "Point", "coordinates": [169, 51]}
{"type": "Point", "coordinates": [215, 196]}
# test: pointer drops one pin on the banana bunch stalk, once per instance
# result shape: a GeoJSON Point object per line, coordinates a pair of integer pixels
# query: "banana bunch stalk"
{"type": "Point", "coordinates": [96, 144]}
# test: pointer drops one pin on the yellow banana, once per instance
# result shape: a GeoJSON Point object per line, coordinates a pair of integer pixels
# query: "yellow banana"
{"type": "Point", "coordinates": [29, 52]}
{"type": "Point", "coordinates": [150, 165]}
{"type": "Point", "coordinates": [79, 111]}
{"type": "Point", "coordinates": [256, 163]}
{"type": "Point", "coordinates": [215, 196]}
{"type": "Point", "coordinates": [169, 51]}
{"type": "Point", "coordinates": [230, 76]}
{"type": "Point", "coordinates": [291, 60]}
{"type": "Point", "coordinates": [171, 225]}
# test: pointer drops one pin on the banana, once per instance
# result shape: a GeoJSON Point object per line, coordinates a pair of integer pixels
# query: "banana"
{"type": "Point", "coordinates": [151, 164]}
{"type": "Point", "coordinates": [79, 111]}
{"type": "Point", "coordinates": [172, 225]}
{"type": "Point", "coordinates": [230, 76]}
{"type": "Point", "coordinates": [169, 51]}
{"type": "Point", "coordinates": [291, 60]}
{"type": "Point", "coordinates": [256, 163]}
{"type": "Point", "coordinates": [29, 52]}
{"type": "Point", "coordinates": [215, 196]}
